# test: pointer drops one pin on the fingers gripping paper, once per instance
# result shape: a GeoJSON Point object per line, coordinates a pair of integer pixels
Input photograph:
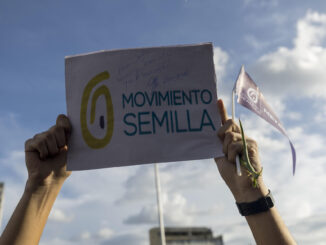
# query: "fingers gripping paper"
{"type": "Point", "coordinates": [139, 106]}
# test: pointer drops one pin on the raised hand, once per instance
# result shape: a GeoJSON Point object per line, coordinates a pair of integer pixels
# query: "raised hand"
{"type": "Point", "coordinates": [230, 136]}
{"type": "Point", "coordinates": [46, 154]}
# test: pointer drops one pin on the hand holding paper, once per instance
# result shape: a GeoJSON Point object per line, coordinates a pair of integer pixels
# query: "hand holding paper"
{"type": "Point", "coordinates": [46, 155]}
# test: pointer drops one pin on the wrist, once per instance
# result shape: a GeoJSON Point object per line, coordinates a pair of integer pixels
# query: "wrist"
{"type": "Point", "coordinates": [250, 194]}
{"type": "Point", "coordinates": [34, 185]}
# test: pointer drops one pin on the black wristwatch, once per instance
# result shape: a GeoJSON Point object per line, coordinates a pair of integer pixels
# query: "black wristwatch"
{"type": "Point", "coordinates": [261, 205]}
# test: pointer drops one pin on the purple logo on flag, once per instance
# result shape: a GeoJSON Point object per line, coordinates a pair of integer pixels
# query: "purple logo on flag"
{"type": "Point", "coordinates": [253, 95]}
{"type": "Point", "coordinates": [250, 97]}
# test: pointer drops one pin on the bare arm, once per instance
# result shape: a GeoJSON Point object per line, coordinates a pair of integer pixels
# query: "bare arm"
{"type": "Point", "coordinates": [45, 156]}
{"type": "Point", "coordinates": [267, 227]}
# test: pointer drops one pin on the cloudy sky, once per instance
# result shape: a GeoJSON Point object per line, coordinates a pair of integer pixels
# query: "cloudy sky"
{"type": "Point", "coordinates": [281, 43]}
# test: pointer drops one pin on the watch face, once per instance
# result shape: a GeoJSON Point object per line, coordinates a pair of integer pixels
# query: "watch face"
{"type": "Point", "coordinates": [269, 201]}
{"type": "Point", "coordinates": [271, 196]}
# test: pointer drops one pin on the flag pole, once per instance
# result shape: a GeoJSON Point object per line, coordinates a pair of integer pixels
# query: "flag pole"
{"type": "Point", "coordinates": [159, 203]}
{"type": "Point", "coordinates": [237, 159]}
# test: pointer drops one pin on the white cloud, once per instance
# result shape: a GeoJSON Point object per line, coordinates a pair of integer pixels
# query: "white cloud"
{"type": "Point", "coordinates": [261, 3]}
{"type": "Point", "coordinates": [221, 59]}
{"type": "Point", "coordinates": [236, 233]}
{"type": "Point", "coordinates": [58, 215]}
{"type": "Point", "coordinates": [254, 42]}
{"type": "Point", "coordinates": [175, 208]}
{"type": "Point", "coordinates": [13, 134]}
{"type": "Point", "coordinates": [300, 70]}
{"type": "Point", "coordinates": [293, 115]}
{"type": "Point", "coordinates": [139, 186]}
{"type": "Point", "coordinates": [320, 116]}
{"type": "Point", "coordinates": [56, 241]}
{"type": "Point", "coordinates": [310, 230]}
{"type": "Point", "coordinates": [87, 237]}
{"type": "Point", "coordinates": [104, 236]}
{"type": "Point", "coordinates": [221, 65]}
{"type": "Point", "coordinates": [105, 233]}
{"type": "Point", "coordinates": [100, 235]}
{"type": "Point", "coordinates": [127, 239]}
{"type": "Point", "coordinates": [15, 162]}
{"type": "Point", "coordinates": [147, 215]}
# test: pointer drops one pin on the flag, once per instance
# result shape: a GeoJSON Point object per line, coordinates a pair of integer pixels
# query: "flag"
{"type": "Point", "coordinates": [251, 97]}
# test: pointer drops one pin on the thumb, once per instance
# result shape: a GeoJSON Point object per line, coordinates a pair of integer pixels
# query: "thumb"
{"type": "Point", "coordinates": [64, 122]}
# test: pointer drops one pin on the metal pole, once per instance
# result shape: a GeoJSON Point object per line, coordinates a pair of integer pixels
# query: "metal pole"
{"type": "Point", "coordinates": [1, 200]}
{"type": "Point", "coordinates": [233, 106]}
{"type": "Point", "coordinates": [159, 204]}
{"type": "Point", "coordinates": [237, 159]}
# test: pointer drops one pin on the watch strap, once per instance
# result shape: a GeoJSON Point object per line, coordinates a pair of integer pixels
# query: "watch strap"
{"type": "Point", "coordinates": [263, 204]}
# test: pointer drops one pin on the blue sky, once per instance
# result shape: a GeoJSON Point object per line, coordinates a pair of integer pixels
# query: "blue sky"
{"type": "Point", "coordinates": [281, 43]}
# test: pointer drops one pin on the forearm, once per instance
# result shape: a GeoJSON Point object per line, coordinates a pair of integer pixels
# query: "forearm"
{"type": "Point", "coordinates": [267, 227]}
{"type": "Point", "coordinates": [29, 218]}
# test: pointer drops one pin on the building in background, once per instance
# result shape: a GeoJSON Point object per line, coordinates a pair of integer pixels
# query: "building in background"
{"type": "Point", "coordinates": [1, 200]}
{"type": "Point", "coordinates": [185, 236]}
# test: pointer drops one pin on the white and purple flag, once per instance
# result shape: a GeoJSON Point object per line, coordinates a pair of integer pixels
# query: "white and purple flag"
{"type": "Point", "coordinates": [250, 97]}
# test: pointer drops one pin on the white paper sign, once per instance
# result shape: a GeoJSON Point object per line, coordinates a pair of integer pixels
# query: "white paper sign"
{"type": "Point", "coordinates": [145, 105]}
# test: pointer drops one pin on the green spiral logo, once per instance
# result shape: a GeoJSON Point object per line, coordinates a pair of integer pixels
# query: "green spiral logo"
{"type": "Point", "coordinates": [90, 140]}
